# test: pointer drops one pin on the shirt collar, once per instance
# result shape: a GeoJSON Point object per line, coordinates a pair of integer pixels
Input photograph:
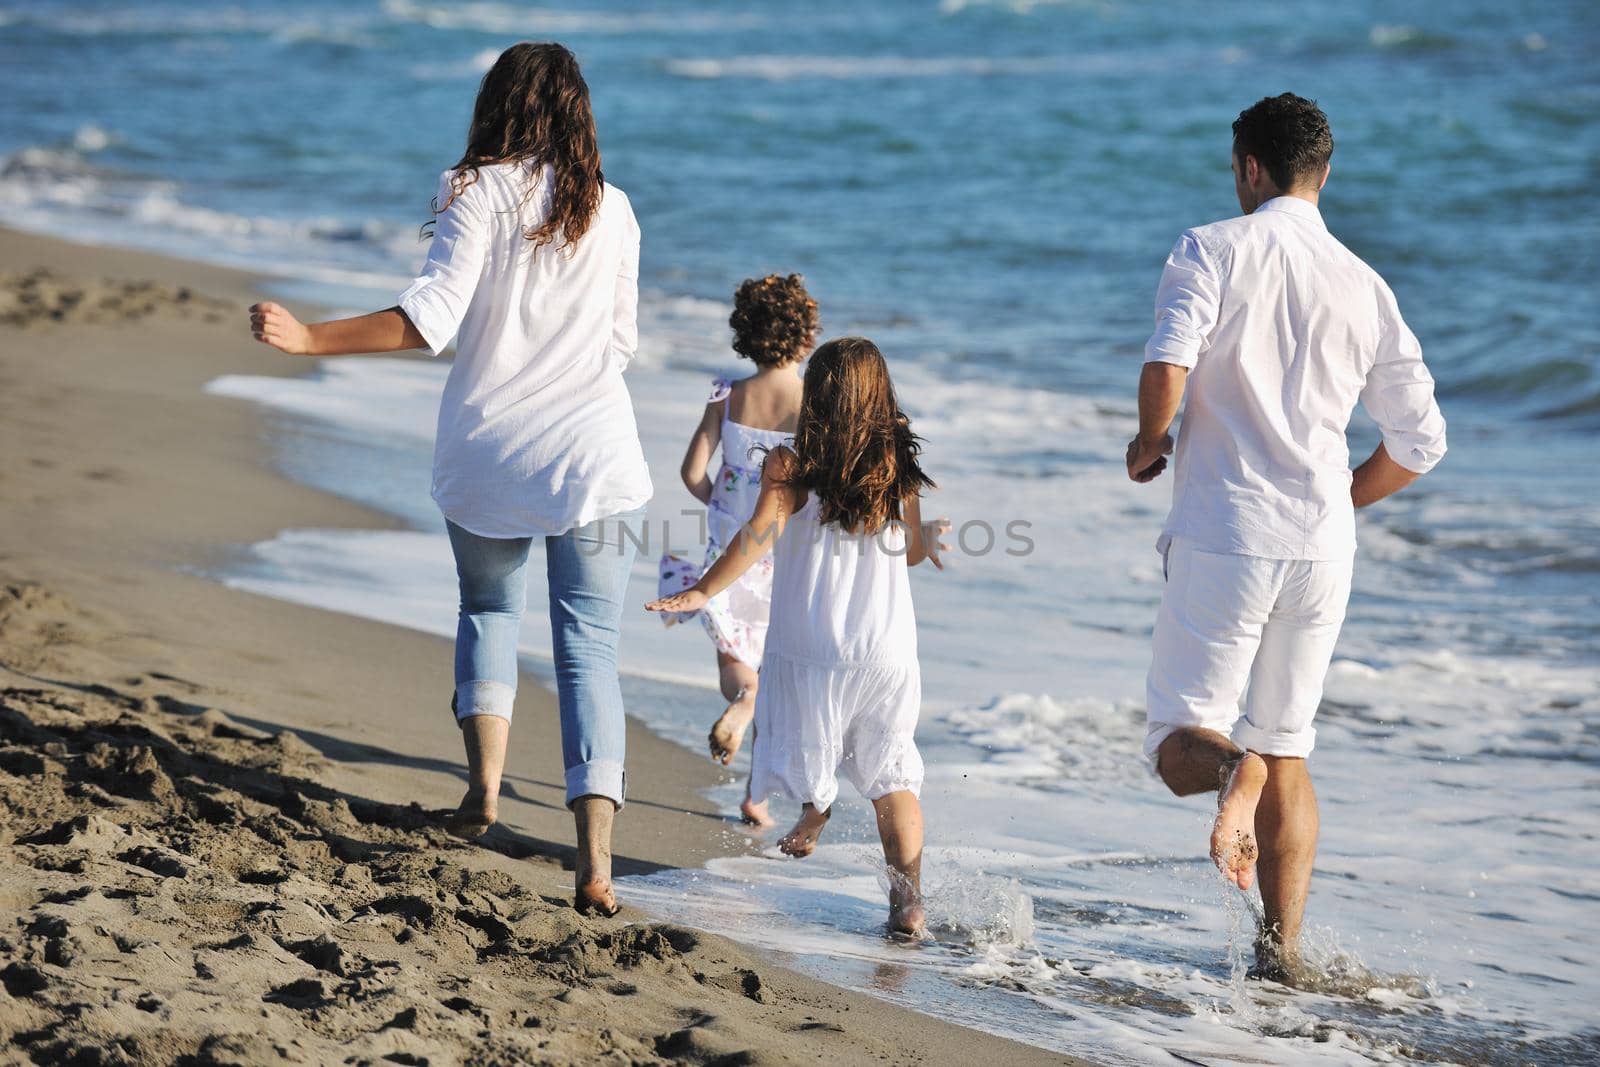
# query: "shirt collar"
{"type": "Point", "coordinates": [1293, 205]}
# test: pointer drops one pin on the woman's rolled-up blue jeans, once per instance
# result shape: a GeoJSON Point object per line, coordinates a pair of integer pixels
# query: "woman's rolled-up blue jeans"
{"type": "Point", "coordinates": [587, 568]}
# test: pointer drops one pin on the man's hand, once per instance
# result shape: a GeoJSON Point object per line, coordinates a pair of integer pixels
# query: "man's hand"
{"type": "Point", "coordinates": [271, 324]}
{"type": "Point", "coordinates": [1161, 388]}
{"type": "Point", "coordinates": [1147, 459]}
{"type": "Point", "coordinates": [1379, 477]}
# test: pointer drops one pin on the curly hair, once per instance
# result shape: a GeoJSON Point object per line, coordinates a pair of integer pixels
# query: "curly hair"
{"type": "Point", "coordinates": [1288, 135]}
{"type": "Point", "coordinates": [774, 320]}
{"type": "Point", "coordinates": [853, 446]}
{"type": "Point", "coordinates": [534, 105]}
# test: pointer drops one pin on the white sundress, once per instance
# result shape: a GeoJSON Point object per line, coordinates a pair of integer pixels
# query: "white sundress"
{"type": "Point", "coordinates": [841, 688]}
{"type": "Point", "coordinates": [736, 618]}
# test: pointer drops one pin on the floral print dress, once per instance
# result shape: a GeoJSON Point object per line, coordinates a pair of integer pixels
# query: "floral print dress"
{"type": "Point", "coordinates": [736, 618]}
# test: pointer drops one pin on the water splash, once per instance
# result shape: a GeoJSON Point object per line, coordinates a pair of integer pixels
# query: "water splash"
{"type": "Point", "coordinates": [1244, 924]}
{"type": "Point", "coordinates": [975, 909]}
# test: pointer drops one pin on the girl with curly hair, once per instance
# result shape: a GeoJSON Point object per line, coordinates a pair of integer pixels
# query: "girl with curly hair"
{"type": "Point", "coordinates": [841, 689]}
{"type": "Point", "coordinates": [774, 324]}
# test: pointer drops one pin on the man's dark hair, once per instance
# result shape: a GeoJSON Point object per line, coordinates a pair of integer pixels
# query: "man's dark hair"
{"type": "Point", "coordinates": [1288, 135]}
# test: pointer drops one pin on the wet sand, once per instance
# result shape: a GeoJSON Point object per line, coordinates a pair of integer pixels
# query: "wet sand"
{"type": "Point", "coordinates": [220, 817]}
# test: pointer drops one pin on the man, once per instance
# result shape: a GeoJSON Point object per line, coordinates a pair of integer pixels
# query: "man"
{"type": "Point", "coordinates": [1276, 330]}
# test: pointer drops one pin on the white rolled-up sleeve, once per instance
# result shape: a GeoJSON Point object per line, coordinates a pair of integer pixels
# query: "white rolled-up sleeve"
{"type": "Point", "coordinates": [1399, 396]}
{"type": "Point", "coordinates": [1187, 304]}
{"type": "Point", "coordinates": [436, 302]}
{"type": "Point", "coordinates": [625, 305]}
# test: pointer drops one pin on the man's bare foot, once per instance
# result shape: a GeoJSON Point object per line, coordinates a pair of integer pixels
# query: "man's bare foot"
{"type": "Point", "coordinates": [1277, 962]}
{"type": "Point", "coordinates": [1233, 836]}
{"type": "Point", "coordinates": [755, 814]}
{"type": "Point", "coordinates": [801, 840]}
{"type": "Point", "coordinates": [473, 817]}
{"type": "Point", "coordinates": [1287, 967]}
{"type": "Point", "coordinates": [727, 733]}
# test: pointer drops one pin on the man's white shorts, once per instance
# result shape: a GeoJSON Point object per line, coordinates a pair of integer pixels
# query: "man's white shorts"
{"type": "Point", "coordinates": [1229, 623]}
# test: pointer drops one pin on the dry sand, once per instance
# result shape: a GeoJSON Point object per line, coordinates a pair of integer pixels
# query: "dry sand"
{"type": "Point", "coordinates": [219, 836]}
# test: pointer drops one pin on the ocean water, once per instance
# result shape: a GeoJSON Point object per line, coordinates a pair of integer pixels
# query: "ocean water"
{"type": "Point", "coordinates": [988, 190]}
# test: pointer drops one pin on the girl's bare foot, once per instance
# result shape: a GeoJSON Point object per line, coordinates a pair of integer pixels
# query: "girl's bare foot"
{"type": "Point", "coordinates": [727, 733]}
{"type": "Point", "coordinates": [755, 814]}
{"type": "Point", "coordinates": [1233, 836]}
{"type": "Point", "coordinates": [801, 840]}
{"type": "Point", "coordinates": [908, 921]}
{"type": "Point", "coordinates": [477, 812]}
{"type": "Point", "coordinates": [906, 916]}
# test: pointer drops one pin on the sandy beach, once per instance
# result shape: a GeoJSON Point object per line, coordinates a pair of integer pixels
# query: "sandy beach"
{"type": "Point", "coordinates": [220, 818]}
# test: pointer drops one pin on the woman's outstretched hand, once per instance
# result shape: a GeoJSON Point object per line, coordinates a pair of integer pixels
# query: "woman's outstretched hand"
{"type": "Point", "coordinates": [271, 324]}
{"type": "Point", "coordinates": [691, 599]}
{"type": "Point", "coordinates": [932, 531]}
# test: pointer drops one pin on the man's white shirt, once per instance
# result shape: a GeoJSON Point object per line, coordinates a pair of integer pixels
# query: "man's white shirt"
{"type": "Point", "coordinates": [1283, 330]}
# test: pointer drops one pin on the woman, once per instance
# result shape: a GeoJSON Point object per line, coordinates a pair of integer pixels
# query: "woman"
{"type": "Point", "coordinates": [534, 271]}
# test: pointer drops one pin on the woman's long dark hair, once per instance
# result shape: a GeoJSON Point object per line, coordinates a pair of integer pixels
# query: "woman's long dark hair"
{"type": "Point", "coordinates": [854, 448]}
{"type": "Point", "coordinates": [533, 105]}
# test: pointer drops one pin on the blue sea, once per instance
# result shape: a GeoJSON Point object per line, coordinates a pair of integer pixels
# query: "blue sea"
{"type": "Point", "coordinates": [988, 190]}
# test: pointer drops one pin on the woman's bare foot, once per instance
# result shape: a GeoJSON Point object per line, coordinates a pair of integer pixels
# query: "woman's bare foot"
{"type": "Point", "coordinates": [595, 897]}
{"type": "Point", "coordinates": [591, 874]}
{"type": "Point", "coordinates": [485, 739]}
{"type": "Point", "coordinates": [801, 840]}
{"type": "Point", "coordinates": [727, 733]}
{"type": "Point", "coordinates": [477, 812]}
{"type": "Point", "coordinates": [1233, 836]}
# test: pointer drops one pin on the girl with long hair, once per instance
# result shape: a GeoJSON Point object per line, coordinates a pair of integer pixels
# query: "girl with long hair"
{"type": "Point", "coordinates": [533, 270]}
{"type": "Point", "coordinates": [840, 684]}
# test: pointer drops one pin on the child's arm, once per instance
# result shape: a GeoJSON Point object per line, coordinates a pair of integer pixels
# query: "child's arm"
{"type": "Point", "coordinates": [755, 538]}
{"type": "Point", "coordinates": [922, 539]}
{"type": "Point", "coordinates": [704, 442]}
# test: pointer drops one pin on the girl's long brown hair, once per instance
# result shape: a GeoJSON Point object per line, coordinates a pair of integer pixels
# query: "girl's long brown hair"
{"type": "Point", "coordinates": [533, 105]}
{"type": "Point", "coordinates": [854, 448]}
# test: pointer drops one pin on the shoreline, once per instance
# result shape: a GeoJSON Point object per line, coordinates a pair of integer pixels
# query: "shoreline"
{"type": "Point", "coordinates": [128, 485]}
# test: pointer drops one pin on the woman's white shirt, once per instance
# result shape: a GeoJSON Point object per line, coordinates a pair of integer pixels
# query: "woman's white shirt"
{"type": "Point", "coordinates": [536, 432]}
